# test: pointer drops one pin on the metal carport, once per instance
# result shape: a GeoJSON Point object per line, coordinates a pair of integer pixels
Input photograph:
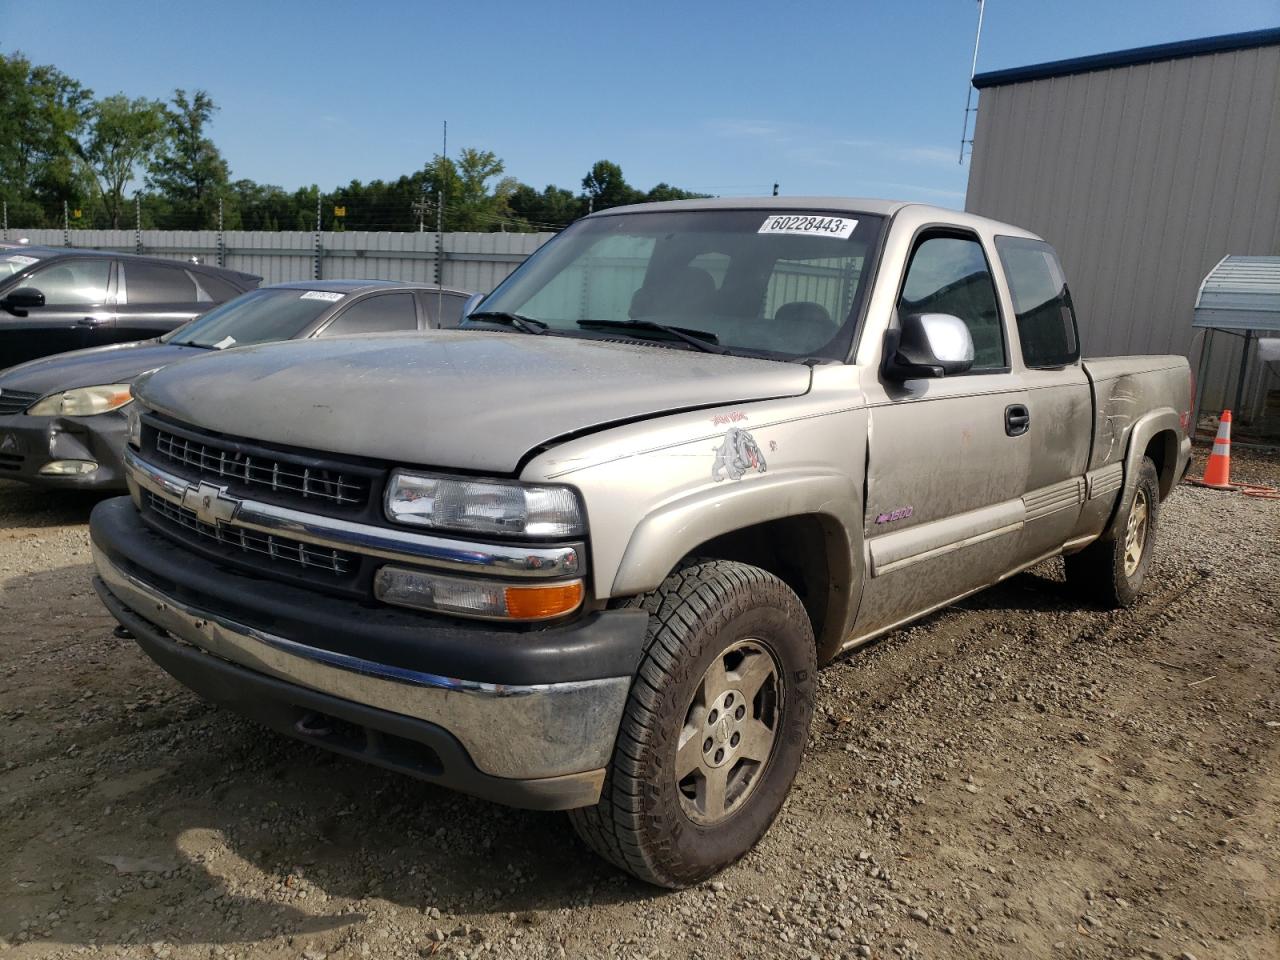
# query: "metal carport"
{"type": "Point", "coordinates": [1241, 297]}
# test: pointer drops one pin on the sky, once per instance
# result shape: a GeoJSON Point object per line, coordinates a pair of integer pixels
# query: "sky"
{"type": "Point", "coordinates": [844, 97]}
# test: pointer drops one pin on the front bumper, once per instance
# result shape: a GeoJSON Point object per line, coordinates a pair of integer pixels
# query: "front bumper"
{"type": "Point", "coordinates": [28, 443]}
{"type": "Point", "coordinates": [535, 742]}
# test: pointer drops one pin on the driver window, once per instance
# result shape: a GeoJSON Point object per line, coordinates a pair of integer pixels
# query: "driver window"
{"type": "Point", "coordinates": [72, 282]}
{"type": "Point", "coordinates": [950, 275]}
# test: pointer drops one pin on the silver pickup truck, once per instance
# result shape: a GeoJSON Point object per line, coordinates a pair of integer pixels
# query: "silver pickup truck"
{"type": "Point", "coordinates": [587, 552]}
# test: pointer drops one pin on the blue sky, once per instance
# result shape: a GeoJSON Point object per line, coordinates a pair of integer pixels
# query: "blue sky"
{"type": "Point", "coordinates": [852, 97]}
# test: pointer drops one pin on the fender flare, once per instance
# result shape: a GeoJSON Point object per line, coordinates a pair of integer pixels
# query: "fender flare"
{"type": "Point", "coordinates": [1140, 434]}
{"type": "Point", "coordinates": [664, 537]}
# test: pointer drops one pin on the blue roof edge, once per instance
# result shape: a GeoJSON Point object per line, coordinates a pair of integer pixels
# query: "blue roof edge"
{"type": "Point", "coordinates": [1127, 58]}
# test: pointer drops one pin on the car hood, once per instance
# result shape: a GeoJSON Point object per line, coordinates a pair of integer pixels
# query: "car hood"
{"type": "Point", "coordinates": [454, 399]}
{"type": "Point", "coordinates": [118, 363]}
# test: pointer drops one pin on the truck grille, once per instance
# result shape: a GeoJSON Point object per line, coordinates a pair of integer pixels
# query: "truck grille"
{"type": "Point", "coordinates": [212, 458]}
{"type": "Point", "coordinates": [280, 549]}
{"type": "Point", "coordinates": [15, 401]}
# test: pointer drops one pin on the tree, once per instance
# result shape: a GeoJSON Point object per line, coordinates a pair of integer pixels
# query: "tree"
{"type": "Point", "coordinates": [188, 169]}
{"type": "Point", "coordinates": [606, 187]}
{"type": "Point", "coordinates": [552, 209]}
{"type": "Point", "coordinates": [42, 111]}
{"type": "Point", "coordinates": [469, 201]}
{"type": "Point", "coordinates": [664, 191]}
{"type": "Point", "coordinates": [121, 137]}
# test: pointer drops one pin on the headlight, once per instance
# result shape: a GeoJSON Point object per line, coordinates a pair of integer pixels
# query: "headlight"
{"type": "Point", "coordinates": [84, 402]}
{"type": "Point", "coordinates": [482, 506]}
{"type": "Point", "coordinates": [134, 426]}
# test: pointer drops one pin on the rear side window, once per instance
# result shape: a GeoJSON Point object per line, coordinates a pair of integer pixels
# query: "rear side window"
{"type": "Point", "coordinates": [152, 283]}
{"type": "Point", "coordinates": [950, 274]}
{"type": "Point", "coordinates": [1041, 302]}
{"type": "Point", "coordinates": [213, 288]}
{"type": "Point", "coordinates": [444, 309]}
{"type": "Point", "coordinates": [381, 314]}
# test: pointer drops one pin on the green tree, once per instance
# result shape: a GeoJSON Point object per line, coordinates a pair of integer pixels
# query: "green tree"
{"type": "Point", "coordinates": [42, 111]}
{"type": "Point", "coordinates": [664, 191]}
{"type": "Point", "coordinates": [606, 187]}
{"type": "Point", "coordinates": [121, 137]}
{"type": "Point", "coordinates": [551, 209]}
{"type": "Point", "coordinates": [188, 169]}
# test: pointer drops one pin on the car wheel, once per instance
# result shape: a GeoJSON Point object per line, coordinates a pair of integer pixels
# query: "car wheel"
{"type": "Point", "coordinates": [714, 727]}
{"type": "Point", "coordinates": [1111, 571]}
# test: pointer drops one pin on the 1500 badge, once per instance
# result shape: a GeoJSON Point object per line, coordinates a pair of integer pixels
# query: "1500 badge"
{"type": "Point", "coordinates": [736, 455]}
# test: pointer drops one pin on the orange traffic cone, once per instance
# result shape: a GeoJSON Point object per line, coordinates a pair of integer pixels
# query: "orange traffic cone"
{"type": "Point", "coordinates": [1217, 472]}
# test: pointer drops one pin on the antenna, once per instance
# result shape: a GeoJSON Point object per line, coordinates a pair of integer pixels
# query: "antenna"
{"type": "Point", "coordinates": [969, 108]}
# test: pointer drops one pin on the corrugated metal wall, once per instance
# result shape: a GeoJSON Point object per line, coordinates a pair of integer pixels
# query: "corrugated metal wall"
{"type": "Point", "coordinates": [1143, 178]}
{"type": "Point", "coordinates": [472, 261]}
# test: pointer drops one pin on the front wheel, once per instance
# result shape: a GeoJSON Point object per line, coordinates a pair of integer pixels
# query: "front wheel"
{"type": "Point", "coordinates": [714, 727]}
{"type": "Point", "coordinates": [1112, 571]}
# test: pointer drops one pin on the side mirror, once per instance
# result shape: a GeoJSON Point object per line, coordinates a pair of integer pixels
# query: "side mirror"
{"type": "Point", "coordinates": [928, 345]}
{"type": "Point", "coordinates": [19, 301]}
{"type": "Point", "coordinates": [473, 301]}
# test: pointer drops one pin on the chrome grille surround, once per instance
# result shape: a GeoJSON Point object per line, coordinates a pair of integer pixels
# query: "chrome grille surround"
{"type": "Point", "coordinates": [283, 549]}
{"type": "Point", "coordinates": [210, 458]}
{"type": "Point", "coordinates": [211, 505]}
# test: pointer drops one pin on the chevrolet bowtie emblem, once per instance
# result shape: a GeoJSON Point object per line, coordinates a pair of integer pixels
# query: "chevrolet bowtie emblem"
{"type": "Point", "coordinates": [210, 504]}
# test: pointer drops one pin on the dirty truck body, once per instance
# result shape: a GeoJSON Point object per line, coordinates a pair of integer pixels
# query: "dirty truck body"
{"type": "Point", "coordinates": [571, 564]}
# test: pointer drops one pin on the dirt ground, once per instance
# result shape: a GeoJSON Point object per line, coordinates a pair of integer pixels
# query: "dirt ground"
{"type": "Point", "coordinates": [1015, 777]}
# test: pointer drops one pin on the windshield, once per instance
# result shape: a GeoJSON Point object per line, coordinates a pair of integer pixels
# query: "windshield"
{"type": "Point", "coordinates": [260, 316]}
{"type": "Point", "coordinates": [771, 282]}
{"type": "Point", "coordinates": [12, 263]}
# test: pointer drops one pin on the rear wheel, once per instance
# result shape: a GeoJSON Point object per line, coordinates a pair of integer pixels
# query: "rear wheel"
{"type": "Point", "coordinates": [714, 728]}
{"type": "Point", "coordinates": [1112, 571]}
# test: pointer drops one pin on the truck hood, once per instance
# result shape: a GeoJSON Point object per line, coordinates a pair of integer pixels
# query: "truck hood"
{"type": "Point", "coordinates": [453, 399]}
{"type": "Point", "coordinates": [117, 363]}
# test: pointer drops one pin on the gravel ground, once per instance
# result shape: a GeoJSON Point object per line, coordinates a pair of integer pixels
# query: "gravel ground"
{"type": "Point", "coordinates": [1014, 777]}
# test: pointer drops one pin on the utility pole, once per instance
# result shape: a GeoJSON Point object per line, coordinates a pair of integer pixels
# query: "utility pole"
{"type": "Point", "coordinates": [137, 222]}
{"type": "Point", "coordinates": [222, 253]}
{"type": "Point", "coordinates": [968, 98]}
{"type": "Point", "coordinates": [66, 225]}
{"type": "Point", "coordinates": [6, 219]}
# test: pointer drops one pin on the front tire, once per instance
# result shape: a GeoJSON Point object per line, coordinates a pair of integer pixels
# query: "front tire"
{"type": "Point", "coordinates": [1111, 571]}
{"type": "Point", "coordinates": [714, 728]}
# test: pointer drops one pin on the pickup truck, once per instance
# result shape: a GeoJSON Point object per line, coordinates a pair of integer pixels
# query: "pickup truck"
{"type": "Point", "coordinates": [587, 551]}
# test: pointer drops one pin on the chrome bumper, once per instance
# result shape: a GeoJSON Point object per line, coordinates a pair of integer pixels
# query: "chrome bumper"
{"type": "Point", "coordinates": [515, 732]}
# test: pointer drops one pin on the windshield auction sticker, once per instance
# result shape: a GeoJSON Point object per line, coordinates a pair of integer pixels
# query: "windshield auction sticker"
{"type": "Point", "coordinates": [22, 261]}
{"type": "Point", "coordinates": [839, 227]}
{"type": "Point", "coordinates": [322, 295]}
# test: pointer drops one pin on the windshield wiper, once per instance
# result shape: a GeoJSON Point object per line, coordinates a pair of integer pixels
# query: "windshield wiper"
{"type": "Point", "coordinates": [515, 320]}
{"type": "Point", "coordinates": [704, 340]}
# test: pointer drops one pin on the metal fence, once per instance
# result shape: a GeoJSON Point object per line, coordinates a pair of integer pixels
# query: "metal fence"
{"type": "Point", "coordinates": [467, 261]}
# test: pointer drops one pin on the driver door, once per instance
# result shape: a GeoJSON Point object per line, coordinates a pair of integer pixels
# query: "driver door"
{"type": "Point", "coordinates": [75, 310]}
{"type": "Point", "coordinates": [945, 477]}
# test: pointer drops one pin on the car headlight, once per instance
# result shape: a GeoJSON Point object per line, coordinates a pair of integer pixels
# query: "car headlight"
{"type": "Point", "coordinates": [133, 426]}
{"type": "Point", "coordinates": [483, 506]}
{"type": "Point", "coordinates": [82, 402]}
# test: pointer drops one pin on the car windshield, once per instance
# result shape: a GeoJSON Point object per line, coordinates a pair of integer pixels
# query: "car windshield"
{"type": "Point", "coordinates": [786, 284]}
{"type": "Point", "coordinates": [11, 263]}
{"type": "Point", "coordinates": [260, 316]}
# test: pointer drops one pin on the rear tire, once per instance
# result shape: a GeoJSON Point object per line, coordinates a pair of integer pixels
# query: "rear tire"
{"type": "Point", "coordinates": [1111, 571]}
{"type": "Point", "coordinates": [714, 727]}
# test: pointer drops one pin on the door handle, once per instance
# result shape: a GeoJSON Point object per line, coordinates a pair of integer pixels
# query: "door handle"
{"type": "Point", "coordinates": [1017, 419]}
{"type": "Point", "coordinates": [86, 322]}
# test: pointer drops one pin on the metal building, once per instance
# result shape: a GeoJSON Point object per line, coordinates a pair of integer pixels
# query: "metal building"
{"type": "Point", "coordinates": [1144, 168]}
